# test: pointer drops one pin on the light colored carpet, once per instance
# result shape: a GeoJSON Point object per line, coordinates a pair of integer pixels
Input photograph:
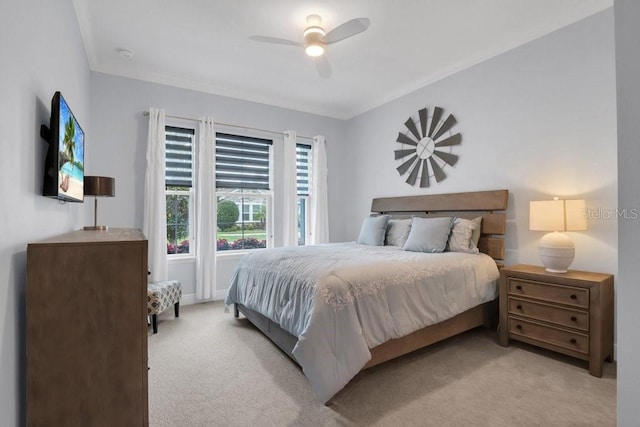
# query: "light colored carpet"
{"type": "Point", "coordinates": [210, 369]}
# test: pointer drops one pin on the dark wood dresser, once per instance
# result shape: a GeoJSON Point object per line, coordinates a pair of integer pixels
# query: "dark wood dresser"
{"type": "Point", "coordinates": [571, 313]}
{"type": "Point", "coordinates": [87, 329]}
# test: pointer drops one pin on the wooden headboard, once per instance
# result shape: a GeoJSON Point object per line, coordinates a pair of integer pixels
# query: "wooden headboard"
{"type": "Point", "coordinates": [488, 204]}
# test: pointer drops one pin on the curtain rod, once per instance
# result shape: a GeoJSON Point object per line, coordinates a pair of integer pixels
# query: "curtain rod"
{"type": "Point", "coordinates": [146, 114]}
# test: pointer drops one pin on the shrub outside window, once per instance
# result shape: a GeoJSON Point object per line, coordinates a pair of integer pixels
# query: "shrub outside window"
{"type": "Point", "coordinates": [246, 231]}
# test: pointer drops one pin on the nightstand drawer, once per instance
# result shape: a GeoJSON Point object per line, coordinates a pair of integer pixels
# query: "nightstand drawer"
{"type": "Point", "coordinates": [549, 313]}
{"type": "Point", "coordinates": [577, 297]}
{"type": "Point", "coordinates": [558, 337]}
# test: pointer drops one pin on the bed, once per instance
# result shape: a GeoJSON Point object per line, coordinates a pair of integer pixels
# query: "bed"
{"type": "Point", "coordinates": [337, 309]}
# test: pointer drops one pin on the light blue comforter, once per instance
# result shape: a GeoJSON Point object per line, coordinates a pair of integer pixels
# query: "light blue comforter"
{"type": "Point", "coordinates": [342, 299]}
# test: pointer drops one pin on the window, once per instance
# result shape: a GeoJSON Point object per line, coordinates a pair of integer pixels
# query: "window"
{"type": "Point", "coordinates": [179, 189]}
{"type": "Point", "coordinates": [243, 189]}
{"type": "Point", "coordinates": [303, 155]}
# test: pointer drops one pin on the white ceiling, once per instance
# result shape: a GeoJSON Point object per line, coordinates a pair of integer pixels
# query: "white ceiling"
{"type": "Point", "coordinates": [203, 44]}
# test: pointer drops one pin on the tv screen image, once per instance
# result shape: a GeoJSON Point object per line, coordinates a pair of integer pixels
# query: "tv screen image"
{"type": "Point", "coordinates": [64, 166]}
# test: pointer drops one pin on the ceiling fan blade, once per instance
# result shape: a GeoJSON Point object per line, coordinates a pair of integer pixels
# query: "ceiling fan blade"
{"type": "Point", "coordinates": [274, 40]}
{"type": "Point", "coordinates": [348, 29]}
{"type": "Point", "coordinates": [323, 66]}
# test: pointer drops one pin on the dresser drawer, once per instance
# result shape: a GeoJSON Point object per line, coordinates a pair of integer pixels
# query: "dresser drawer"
{"type": "Point", "coordinates": [549, 313]}
{"type": "Point", "coordinates": [577, 297]}
{"type": "Point", "coordinates": [558, 337]}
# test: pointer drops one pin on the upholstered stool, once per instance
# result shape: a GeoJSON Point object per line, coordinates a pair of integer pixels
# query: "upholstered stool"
{"type": "Point", "coordinates": [161, 295]}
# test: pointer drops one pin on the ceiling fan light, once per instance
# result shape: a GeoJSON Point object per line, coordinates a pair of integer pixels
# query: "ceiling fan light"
{"type": "Point", "coordinates": [315, 49]}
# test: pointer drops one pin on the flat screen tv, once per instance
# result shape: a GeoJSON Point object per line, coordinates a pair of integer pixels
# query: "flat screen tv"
{"type": "Point", "coordinates": [64, 165]}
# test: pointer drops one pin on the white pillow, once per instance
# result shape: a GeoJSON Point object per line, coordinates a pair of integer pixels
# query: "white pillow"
{"type": "Point", "coordinates": [428, 234]}
{"type": "Point", "coordinates": [397, 232]}
{"type": "Point", "coordinates": [477, 222]}
{"type": "Point", "coordinates": [373, 230]}
{"type": "Point", "coordinates": [461, 237]}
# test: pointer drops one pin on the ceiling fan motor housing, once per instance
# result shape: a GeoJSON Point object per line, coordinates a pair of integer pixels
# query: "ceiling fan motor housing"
{"type": "Point", "coordinates": [313, 40]}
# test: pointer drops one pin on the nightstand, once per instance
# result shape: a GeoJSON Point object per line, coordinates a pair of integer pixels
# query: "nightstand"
{"type": "Point", "coordinates": [570, 313]}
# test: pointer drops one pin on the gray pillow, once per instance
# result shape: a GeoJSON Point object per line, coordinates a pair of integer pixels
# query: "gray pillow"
{"type": "Point", "coordinates": [373, 230]}
{"type": "Point", "coordinates": [397, 232]}
{"type": "Point", "coordinates": [428, 234]}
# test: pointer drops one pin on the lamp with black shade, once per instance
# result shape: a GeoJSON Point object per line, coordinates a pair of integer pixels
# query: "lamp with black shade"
{"type": "Point", "coordinates": [98, 186]}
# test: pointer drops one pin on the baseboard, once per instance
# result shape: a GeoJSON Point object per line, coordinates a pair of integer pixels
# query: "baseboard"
{"type": "Point", "coordinates": [188, 299]}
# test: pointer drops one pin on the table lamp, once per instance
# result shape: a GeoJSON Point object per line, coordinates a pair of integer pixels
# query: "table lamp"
{"type": "Point", "coordinates": [98, 186]}
{"type": "Point", "coordinates": [556, 249]}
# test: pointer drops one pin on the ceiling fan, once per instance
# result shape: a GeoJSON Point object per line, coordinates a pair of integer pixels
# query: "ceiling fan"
{"type": "Point", "coordinates": [315, 39]}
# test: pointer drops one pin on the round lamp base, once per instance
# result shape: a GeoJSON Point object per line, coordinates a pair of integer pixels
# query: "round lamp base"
{"type": "Point", "coordinates": [96, 227]}
{"type": "Point", "coordinates": [556, 252]}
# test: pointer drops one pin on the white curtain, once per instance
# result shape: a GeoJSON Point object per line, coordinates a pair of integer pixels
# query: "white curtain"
{"type": "Point", "coordinates": [206, 211]}
{"type": "Point", "coordinates": [289, 192]}
{"type": "Point", "coordinates": [154, 224]}
{"type": "Point", "coordinates": [318, 198]}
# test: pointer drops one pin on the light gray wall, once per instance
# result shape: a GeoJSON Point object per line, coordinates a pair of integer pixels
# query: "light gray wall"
{"type": "Point", "coordinates": [627, 16]}
{"type": "Point", "coordinates": [40, 52]}
{"type": "Point", "coordinates": [539, 121]}
{"type": "Point", "coordinates": [118, 143]}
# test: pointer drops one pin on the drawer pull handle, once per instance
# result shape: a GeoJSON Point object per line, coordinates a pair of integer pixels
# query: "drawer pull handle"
{"type": "Point", "coordinates": [573, 341]}
{"type": "Point", "coordinates": [574, 296]}
{"type": "Point", "coordinates": [519, 307]}
{"type": "Point", "coordinates": [519, 327]}
{"type": "Point", "coordinates": [574, 318]}
{"type": "Point", "coordinates": [519, 287]}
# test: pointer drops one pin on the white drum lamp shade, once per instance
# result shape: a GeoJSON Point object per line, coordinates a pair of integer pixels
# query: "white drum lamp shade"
{"type": "Point", "coordinates": [557, 250]}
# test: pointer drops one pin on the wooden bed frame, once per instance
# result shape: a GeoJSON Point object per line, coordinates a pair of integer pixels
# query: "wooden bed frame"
{"type": "Point", "coordinates": [488, 204]}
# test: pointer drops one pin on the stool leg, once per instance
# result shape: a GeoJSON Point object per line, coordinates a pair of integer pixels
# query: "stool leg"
{"type": "Point", "coordinates": [154, 320]}
{"type": "Point", "coordinates": [177, 308]}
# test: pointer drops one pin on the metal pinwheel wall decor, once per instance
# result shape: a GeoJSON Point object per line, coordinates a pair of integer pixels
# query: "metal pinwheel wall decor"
{"type": "Point", "coordinates": [426, 147]}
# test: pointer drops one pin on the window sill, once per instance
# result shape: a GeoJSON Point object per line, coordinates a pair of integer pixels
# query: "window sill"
{"type": "Point", "coordinates": [234, 254]}
{"type": "Point", "coordinates": [181, 259]}
{"type": "Point", "coordinates": [231, 254]}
